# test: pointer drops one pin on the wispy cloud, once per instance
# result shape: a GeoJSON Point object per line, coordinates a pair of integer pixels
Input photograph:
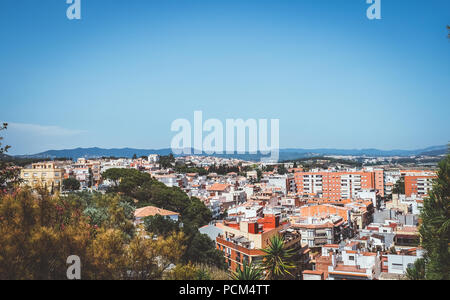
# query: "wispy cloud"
{"type": "Point", "coordinates": [43, 130]}
{"type": "Point", "coordinates": [28, 138]}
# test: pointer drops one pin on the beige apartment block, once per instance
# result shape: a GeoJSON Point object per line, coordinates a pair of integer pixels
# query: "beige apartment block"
{"type": "Point", "coordinates": [46, 174]}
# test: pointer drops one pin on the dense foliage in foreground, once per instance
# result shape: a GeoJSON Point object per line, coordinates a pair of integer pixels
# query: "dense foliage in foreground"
{"type": "Point", "coordinates": [435, 230]}
{"type": "Point", "coordinates": [39, 231]}
{"type": "Point", "coordinates": [142, 190]}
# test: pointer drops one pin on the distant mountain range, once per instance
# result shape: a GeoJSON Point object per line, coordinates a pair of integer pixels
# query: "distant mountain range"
{"type": "Point", "coordinates": [285, 154]}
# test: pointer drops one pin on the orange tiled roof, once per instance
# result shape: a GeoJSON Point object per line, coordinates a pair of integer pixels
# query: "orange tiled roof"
{"type": "Point", "coordinates": [152, 211]}
{"type": "Point", "coordinates": [218, 187]}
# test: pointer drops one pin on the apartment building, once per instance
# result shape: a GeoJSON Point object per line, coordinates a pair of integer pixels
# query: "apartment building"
{"type": "Point", "coordinates": [46, 174]}
{"type": "Point", "coordinates": [379, 181]}
{"type": "Point", "coordinates": [336, 185]}
{"type": "Point", "coordinates": [217, 189]}
{"type": "Point", "coordinates": [241, 242]}
{"type": "Point", "coordinates": [172, 180]}
{"type": "Point", "coordinates": [246, 210]}
{"type": "Point", "coordinates": [252, 174]}
{"type": "Point", "coordinates": [400, 262]}
{"type": "Point", "coordinates": [322, 224]}
{"type": "Point", "coordinates": [153, 158]}
{"type": "Point", "coordinates": [347, 263]}
{"type": "Point", "coordinates": [388, 188]}
{"type": "Point", "coordinates": [418, 183]}
{"type": "Point", "coordinates": [390, 178]}
{"type": "Point", "coordinates": [406, 237]}
{"type": "Point", "coordinates": [361, 213]}
{"type": "Point", "coordinates": [360, 210]}
{"type": "Point", "coordinates": [411, 204]}
{"type": "Point", "coordinates": [286, 183]}
{"type": "Point", "coordinates": [87, 172]}
{"type": "Point", "coordinates": [354, 265]}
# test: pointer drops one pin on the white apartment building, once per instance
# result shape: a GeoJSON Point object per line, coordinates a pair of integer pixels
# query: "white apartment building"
{"type": "Point", "coordinates": [399, 263]}
{"type": "Point", "coordinates": [170, 180]}
{"type": "Point", "coordinates": [354, 265]}
{"type": "Point", "coordinates": [153, 158]}
{"type": "Point", "coordinates": [350, 185]}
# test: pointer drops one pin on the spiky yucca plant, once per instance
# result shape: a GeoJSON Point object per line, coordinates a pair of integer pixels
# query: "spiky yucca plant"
{"type": "Point", "coordinates": [277, 259]}
{"type": "Point", "coordinates": [248, 272]}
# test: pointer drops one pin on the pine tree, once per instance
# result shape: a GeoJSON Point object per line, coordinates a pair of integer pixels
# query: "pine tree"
{"type": "Point", "coordinates": [435, 227]}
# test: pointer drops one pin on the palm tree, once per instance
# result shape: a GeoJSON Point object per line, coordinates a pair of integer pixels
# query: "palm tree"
{"type": "Point", "coordinates": [249, 272]}
{"type": "Point", "coordinates": [277, 259]}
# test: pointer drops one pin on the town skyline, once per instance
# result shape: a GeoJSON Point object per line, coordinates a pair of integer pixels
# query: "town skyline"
{"type": "Point", "coordinates": [302, 152]}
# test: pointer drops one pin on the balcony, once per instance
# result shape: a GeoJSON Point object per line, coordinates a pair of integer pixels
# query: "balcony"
{"type": "Point", "coordinates": [230, 244]}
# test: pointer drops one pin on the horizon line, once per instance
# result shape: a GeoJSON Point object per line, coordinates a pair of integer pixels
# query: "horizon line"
{"type": "Point", "coordinates": [246, 153]}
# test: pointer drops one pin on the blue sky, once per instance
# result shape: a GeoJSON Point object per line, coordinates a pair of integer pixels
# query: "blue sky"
{"type": "Point", "coordinates": [122, 74]}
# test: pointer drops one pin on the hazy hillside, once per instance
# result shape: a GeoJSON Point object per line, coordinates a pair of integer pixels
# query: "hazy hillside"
{"type": "Point", "coordinates": [285, 154]}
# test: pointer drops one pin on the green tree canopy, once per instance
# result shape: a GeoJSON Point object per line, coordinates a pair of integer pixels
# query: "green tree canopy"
{"type": "Point", "coordinates": [39, 232]}
{"type": "Point", "coordinates": [9, 175]}
{"type": "Point", "coordinates": [167, 161]}
{"type": "Point", "coordinates": [435, 227]}
{"type": "Point", "coordinates": [399, 186]}
{"type": "Point", "coordinates": [417, 271]}
{"type": "Point", "coordinates": [160, 225]}
{"type": "Point", "coordinates": [146, 191]}
{"type": "Point", "coordinates": [71, 184]}
{"type": "Point", "coordinates": [201, 249]}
